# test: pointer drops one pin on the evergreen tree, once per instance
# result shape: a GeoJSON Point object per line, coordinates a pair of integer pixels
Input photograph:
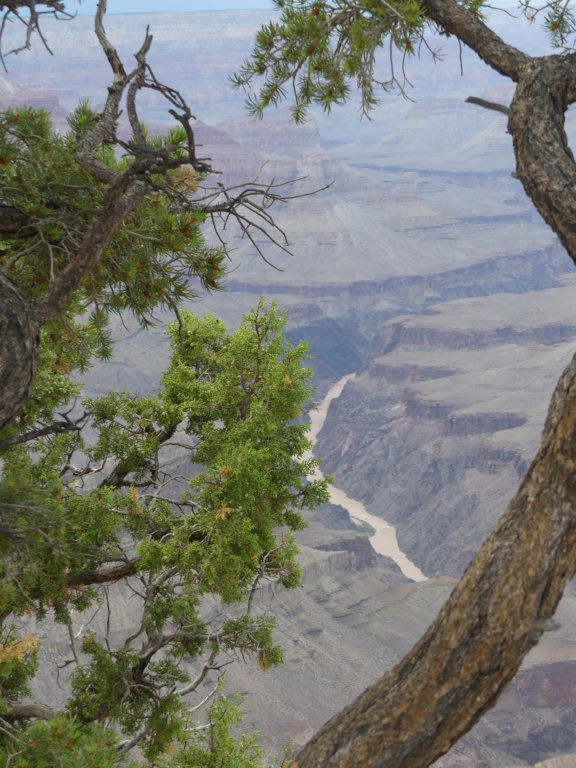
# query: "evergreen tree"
{"type": "Point", "coordinates": [81, 515]}
{"type": "Point", "coordinates": [186, 500]}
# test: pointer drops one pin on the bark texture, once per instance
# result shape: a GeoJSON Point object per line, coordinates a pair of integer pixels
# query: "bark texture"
{"type": "Point", "coordinates": [19, 350]}
{"type": "Point", "coordinates": [15, 223]}
{"type": "Point", "coordinates": [469, 29]}
{"type": "Point", "coordinates": [545, 163]}
{"type": "Point", "coordinates": [106, 574]}
{"type": "Point", "coordinates": [21, 318]}
{"type": "Point", "coordinates": [546, 86]}
{"type": "Point", "coordinates": [501, 606]}
{"type": "Point", "coordinates": [28, 712]}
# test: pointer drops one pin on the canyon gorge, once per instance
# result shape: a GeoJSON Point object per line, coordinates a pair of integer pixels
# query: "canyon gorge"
{"type": "Point", "coordinates": [422, 269]}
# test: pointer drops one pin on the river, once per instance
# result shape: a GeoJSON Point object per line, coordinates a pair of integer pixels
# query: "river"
{"type": "Point", "coordinates": [384, 540]}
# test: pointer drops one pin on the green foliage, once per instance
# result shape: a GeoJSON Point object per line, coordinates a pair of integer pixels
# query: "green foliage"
{"type": "Point", "coordinates": [179, 503]}
{"type": "Point", "coordinates": [149, 261]}
{"type": "Point", "coordinates": [62, 743]}
{"type": "Point", "coordinates": [50, 535]}
{"type": "Point", "coordinates": [18, 664]}
{"type": "Point", "coordinates": [227, 388]}
{"type": "Point", "coordinates": [195, 551]}
{"type": "Point", "coordinates": [319, 48]}
{"type": "Point", "coordinates": [217, 746]}
{"type": "Point", "coordinates": [101, 691]}
{"type": "Point", "coordinates": [558, 20]}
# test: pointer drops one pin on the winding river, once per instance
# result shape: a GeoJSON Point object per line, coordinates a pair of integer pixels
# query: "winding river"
{"type": "Point", "coordinates": [384, 540]}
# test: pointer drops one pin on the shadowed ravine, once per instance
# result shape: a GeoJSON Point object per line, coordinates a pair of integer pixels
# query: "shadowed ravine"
{"type": "Point", "coordinates": [384, 540]}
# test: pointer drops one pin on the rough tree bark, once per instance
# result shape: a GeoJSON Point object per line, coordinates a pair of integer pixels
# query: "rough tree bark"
{"type": "Point", "coordinates": [19, 345]}
{"type": "Point", "coordinates": [509, 593]}
{"type": "Point", "coordinates": [22, 318]}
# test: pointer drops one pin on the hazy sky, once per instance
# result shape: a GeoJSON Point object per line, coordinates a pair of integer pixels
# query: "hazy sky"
{"type": "Point", "coordinates": [151, 6]}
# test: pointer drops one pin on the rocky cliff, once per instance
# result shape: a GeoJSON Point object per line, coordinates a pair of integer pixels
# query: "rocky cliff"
{"type": "Point", "coordinates": [435, 432]}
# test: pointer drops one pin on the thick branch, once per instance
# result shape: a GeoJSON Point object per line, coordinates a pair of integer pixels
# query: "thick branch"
{"type": "Point", "coordinates": [105, 575]}
{"type": "Point", "coordinates": [493, 105]}
{"type": "Point", "coordinates": [15, 223]}
{"type": "Point", "coordinates": [19, 350]}
{"type": "Point", "coordinates": [456, 20]}
{"type": "Point", "coordinates": [122, 197]}
{"type": "Point", "coordinates": [21, 319]}
{"type": "Point", "coordinates": [545, 163]}
{"type": "Point", "coordinates": [28, 712]}
{"type": "Point", "coordinates": [106, 126]}
{"type": "Point", "coordinates": [121, 471]}
{"type": "Point", "coordinates": [498, 611]}
{"type": "Point", "coordinates": [124, 190]}
{"type": "Point", "coordinates": [57, 428]}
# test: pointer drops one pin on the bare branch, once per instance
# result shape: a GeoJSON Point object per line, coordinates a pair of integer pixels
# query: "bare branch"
{"type": "Point", "coordinates": [261, 573]}
{"type": "Point", "coordinates": [28, 712]}
{"type": "Point", "coordinates": [489, 105]}
{"type": "Point", "coordinates": [207, 667]}
{"type": "Point", "coordinates": [128, 744]}
{"type": "Point", "coordinates": [248, 205]}
{"type": "Point", "coordinates": [204, 700]}
{"type": "Point", "coordinates": [57, 428]}
{"type": "Point", "coordinates": [11, 9]}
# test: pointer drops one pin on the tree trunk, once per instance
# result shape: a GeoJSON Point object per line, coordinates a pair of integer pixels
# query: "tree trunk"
{"type": "Point", "coordinates": [21, 319]}
{"type": "Point", "coordinates": [545, 163]}
{"type": "Point", "coordinates": [19, 351]}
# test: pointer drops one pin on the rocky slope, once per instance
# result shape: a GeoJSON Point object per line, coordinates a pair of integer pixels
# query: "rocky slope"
{"type": "Point", "coordinates": [434, 433]}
